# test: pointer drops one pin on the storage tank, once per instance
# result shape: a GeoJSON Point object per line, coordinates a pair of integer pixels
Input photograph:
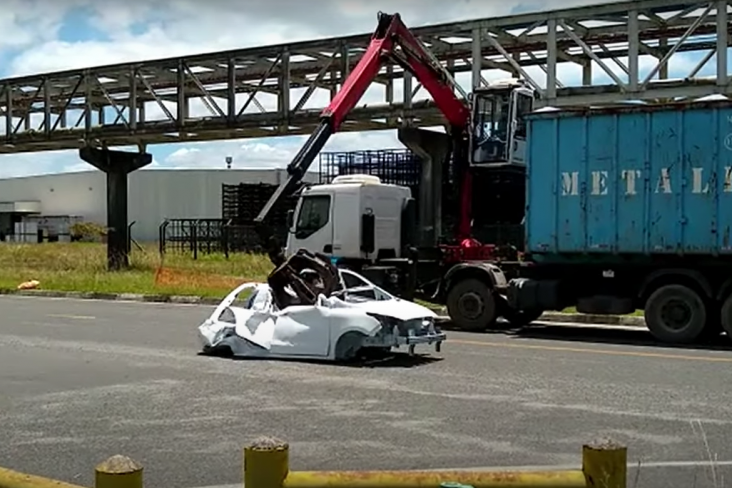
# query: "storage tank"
{"type": "Point", "coordinates": [636, 179]}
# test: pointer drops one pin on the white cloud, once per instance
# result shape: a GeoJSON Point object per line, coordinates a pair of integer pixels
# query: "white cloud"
{"type": "Point", "coordinates": [27, 22]}
{"type": "Point", "coordinates": [271, 152]}
{"type": "Point", "coordinates": [190, 26]}
{"type": "Point", "coordinates": [137, 31]}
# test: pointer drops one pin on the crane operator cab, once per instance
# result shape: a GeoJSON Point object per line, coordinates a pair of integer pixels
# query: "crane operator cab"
{"type": "Point", "coordinates": [499, 127]}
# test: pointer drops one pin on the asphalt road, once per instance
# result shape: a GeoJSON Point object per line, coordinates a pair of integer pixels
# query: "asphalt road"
{"type": "Point", "coordinates": [83, 380]}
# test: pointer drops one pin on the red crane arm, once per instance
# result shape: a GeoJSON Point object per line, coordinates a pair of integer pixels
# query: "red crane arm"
{"type": "Point", "coordinates": [413, 57]}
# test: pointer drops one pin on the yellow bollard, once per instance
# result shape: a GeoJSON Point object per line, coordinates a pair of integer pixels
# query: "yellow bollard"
{"type": "Point", "coordinates": [266, 463]}
{"type": "Point", "coordinates": [118, 472]}
{"type": "Point", "coordinates": [15, 479]}
{"type": "Point", "coordinates": [605, 465]}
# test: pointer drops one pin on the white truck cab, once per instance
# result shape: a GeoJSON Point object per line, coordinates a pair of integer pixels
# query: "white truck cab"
{"type": "Point", "coordinates": [356, 217]}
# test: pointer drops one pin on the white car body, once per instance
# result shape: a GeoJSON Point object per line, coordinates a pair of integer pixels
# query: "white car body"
{"type": "Point", "coordinates": [332, 329]}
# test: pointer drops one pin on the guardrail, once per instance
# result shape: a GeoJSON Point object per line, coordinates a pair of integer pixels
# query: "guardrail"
{"type": "Point", "coordinates": [267, 465]}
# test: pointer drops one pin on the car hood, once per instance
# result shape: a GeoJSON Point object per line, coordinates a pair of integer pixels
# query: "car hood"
{"type": "Point", "coordinates": [397, 309]}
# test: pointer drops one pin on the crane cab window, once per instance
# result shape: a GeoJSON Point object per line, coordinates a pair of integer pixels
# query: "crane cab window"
{"type": "Point", "coordinates": [524, 106]}
{"type": "Point", "coordinates": [314, 215]}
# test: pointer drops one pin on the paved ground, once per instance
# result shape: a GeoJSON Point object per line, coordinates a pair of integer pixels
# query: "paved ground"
{"type": "Point", "coordinates": [82, 380]}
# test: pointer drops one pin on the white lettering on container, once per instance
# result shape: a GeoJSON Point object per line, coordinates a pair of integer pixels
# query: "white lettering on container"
{"type": "Point", "coordinates": [664, 181]}
{"type": "Point", "coordinates": [701, 182]}
{"type": "Point", "coordinates": [599, 182]}
{"type": "Point", "coordinates": [630, 176]}
{"type": "Point", "coordinates": [697, 181]}
{"type": "Point", "coordinates": [570, 183]}
{"type": "Point", "coordinates": [727, 188]}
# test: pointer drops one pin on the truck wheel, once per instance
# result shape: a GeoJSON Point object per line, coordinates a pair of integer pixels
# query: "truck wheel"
{"type": "Point", "coordinates": [523, 318]}
{"type": "Point", "coordinates": [726, 317]}
{"type": "Point", "coordinates": [471, 305]}
{"type": "Point", "coordinates": [516, 318]}
{"type": "Point", "coordinates": [676, 314]}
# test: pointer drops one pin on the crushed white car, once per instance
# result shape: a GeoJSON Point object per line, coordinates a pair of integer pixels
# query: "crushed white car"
{"type": "Point", "coordinates": [335, 321]}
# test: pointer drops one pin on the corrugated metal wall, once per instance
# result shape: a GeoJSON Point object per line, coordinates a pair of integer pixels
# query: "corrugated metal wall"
{"type": "Point", "coordinates": [635, 180]}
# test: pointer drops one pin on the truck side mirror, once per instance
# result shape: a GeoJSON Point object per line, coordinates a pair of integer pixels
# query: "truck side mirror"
{"type": "Point", "coordinates": [368, 233]}
{"type": "Point", "coordinates": [290, 219]}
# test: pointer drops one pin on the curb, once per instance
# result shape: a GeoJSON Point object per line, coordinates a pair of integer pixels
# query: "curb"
{"type": "Point", "coordinates": [122, 297]}
{"type": "Point", "coordinates": [626, 320]}
{"type": "Point", "coordinates": [580, 318]}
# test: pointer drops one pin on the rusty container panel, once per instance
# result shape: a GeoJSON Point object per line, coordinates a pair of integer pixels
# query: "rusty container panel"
{"type": "Point", "coordinates": [630, 180]}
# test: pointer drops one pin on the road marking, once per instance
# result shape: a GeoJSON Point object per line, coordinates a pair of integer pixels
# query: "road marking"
{"type": "Point", "coordinates": [74, 317]}
{"type": "Point", "coordinates": [588, 350]}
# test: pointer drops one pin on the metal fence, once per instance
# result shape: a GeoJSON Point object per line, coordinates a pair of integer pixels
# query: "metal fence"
{"type": "Point", "coordinates": [392, 166]}
{"type": "Point", "coordinates": [195, 236]}
{"type": "Point", "coordinates": [208, 236]}
{"type": "Point", "coordinates": [266, 465]}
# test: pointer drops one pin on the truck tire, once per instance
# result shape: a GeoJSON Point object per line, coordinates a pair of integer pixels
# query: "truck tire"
{"type": "Point", "coordinates": [516, 318]}
{"type": "Point", "coordinates": [675, 314]}
{"type": "Point", "coordinates": [471, 305]}
{"type": "Point", "coordinates": [523, 318]}
{"type": "Point", "coordinates": [726, 316]}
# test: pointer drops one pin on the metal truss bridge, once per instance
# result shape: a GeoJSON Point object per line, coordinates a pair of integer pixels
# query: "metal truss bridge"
{"type": "Point", "coordinates": [280, 90]}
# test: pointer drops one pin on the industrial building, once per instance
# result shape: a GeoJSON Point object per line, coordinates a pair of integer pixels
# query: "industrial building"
{"type": "Point", "coordinates": [55, 201]}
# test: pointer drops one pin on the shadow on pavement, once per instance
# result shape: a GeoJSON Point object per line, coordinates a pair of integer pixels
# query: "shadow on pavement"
{"type": "Point", "coordinates": [608, 335]}
{"type": "Point", "coordinates": [599, 334]}
{"type": "Point", "coordinates": [394, 359]}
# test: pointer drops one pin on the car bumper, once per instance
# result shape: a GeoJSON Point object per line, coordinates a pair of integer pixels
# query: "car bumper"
{"type": "Point", "coordinates": [429, 338]}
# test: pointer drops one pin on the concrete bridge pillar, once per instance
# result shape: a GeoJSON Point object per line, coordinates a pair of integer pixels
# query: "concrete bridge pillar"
{"type": "Point", "coordinates": [433, 149]}
{"type": "Point", "coordinates": [117, 165]}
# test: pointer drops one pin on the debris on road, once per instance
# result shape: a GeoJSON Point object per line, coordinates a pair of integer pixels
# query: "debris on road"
{"type": "Point", "coordinates": [29, 285]}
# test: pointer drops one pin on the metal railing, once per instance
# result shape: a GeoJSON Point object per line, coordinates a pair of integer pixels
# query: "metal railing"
{"type": "Point", "coordinates": [266, 465]}
{"type": "Point", "coordinates": [195, 236]}
{"type": "Point", "coordinates": [210, 236]}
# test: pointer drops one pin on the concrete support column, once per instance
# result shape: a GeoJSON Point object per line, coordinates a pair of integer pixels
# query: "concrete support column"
{"type": "Point", "coordinates": [433, 149]}
{"type": "Point", "coordinates": [117, 165]}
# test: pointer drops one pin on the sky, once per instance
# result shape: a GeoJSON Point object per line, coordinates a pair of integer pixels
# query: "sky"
{"type": "Point", "coordinates": [45, 35]}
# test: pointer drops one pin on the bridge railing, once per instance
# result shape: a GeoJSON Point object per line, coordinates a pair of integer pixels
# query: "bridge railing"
{"type": "Point", "coordinates": [267, 465]}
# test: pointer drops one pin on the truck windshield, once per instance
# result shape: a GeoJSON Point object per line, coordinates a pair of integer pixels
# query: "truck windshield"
{"type": "Point", "coordinates": [314, 215]}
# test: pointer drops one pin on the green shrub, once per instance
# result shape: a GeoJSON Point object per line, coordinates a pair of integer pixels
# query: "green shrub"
{"type": "Point", "coordinates": [87, 232]}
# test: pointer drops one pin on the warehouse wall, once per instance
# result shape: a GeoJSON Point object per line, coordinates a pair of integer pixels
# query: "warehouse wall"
{"type": "Point", "coordinates": [154, 195]}
{"type": "Point", "coordinates": [62, 194]}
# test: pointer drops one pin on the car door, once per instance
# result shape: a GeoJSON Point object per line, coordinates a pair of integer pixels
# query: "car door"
{"type": "Point", "coordinates": [302, 331]}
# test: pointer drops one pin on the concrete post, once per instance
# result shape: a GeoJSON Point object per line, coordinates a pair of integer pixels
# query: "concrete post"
{"type": "Point", "coordinates": [117, 165]}
{"type": "Point", "coordinates": [433, 149]}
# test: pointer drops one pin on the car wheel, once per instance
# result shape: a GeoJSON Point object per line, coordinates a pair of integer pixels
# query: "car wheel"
{"type": "Point", "coordinates": [348, 346]}
{"type": "Point", "coordinates": [675, 314]}
{"type": "Point", "coordinates": [471, 305]}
